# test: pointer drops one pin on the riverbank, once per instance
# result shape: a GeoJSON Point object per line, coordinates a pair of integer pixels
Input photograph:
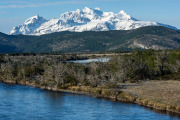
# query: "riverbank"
{"type": "Point", "coordinates": [158, 95]}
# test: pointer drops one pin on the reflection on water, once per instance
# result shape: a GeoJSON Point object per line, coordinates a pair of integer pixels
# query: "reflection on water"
{"type": "Point", "coordinates": [23, 103]}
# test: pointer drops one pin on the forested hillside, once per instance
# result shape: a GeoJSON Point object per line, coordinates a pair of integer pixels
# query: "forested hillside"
{"type": "Point", "coordinates": [152, 37]}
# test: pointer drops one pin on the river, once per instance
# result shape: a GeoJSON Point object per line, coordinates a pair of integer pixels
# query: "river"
{"type": "Point", "coordinates": [18, 102]}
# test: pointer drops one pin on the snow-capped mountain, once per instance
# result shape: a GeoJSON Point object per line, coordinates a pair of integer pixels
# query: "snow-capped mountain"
{"type": "Point", "coordinates": [29, 26]}
{"type": "Point", "coordinates": [81, 20]}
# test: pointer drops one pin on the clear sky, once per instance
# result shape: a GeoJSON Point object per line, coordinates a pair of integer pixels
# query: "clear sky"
{"type": "Point", "coordinates": [15, 12]}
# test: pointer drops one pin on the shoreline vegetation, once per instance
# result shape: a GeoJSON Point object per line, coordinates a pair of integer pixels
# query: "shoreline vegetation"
{"type": "Point", "coordinates": [148, 78]}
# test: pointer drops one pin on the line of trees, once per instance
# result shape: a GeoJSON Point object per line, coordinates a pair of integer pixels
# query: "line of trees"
{"type": "Point", "coordinates": [49, 71]}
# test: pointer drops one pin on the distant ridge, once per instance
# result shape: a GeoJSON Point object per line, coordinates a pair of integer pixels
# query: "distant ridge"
{"type": "Point", "coordinates": [150, 37]}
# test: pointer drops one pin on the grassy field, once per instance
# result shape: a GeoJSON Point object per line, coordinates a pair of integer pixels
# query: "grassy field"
{"type": "Point", "coordinates": [163, 92]}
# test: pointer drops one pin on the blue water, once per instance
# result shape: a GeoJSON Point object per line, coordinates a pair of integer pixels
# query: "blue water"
{"type": "Point", "coordinates": [90, 60]}
{"type": "Point", "coordinates": [28, 103]}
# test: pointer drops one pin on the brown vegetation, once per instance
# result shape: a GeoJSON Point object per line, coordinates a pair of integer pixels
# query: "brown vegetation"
{"type": "Point", "coordinates": [163, 95]}
{"type": "Point", "coordinates": [103, 79]}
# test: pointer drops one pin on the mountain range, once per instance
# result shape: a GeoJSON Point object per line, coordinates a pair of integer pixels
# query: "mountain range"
{"type": "Point", "coordinates": [87, 19]}
{"type": "Point", "coordinates": [149, 37]}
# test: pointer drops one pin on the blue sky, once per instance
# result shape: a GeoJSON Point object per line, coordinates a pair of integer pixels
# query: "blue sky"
{"type": "Point", "coordinates": [15, 12]}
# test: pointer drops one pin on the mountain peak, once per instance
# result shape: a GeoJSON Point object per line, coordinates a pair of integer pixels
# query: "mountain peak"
{"type": "Point", "coordinates": [78, 10]}
{"type": "Point", "coordinates": [123, 15]}
{"type": "Point", "coordinates": [37, 16]}
{"type": "Point", "coordinates": [123, 12]}
{"type": "Point", "coordinates": [29, 26]}
{"type": "Point", "coordinates": [34, 19]}
{"type": "Point", "coordinates": [88, 10]}
{"type": "Point", "coordinates": [97, 8]}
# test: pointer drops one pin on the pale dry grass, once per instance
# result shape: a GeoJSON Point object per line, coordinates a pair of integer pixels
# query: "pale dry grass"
{"type": "Point", "coordinates": [166, 92]}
